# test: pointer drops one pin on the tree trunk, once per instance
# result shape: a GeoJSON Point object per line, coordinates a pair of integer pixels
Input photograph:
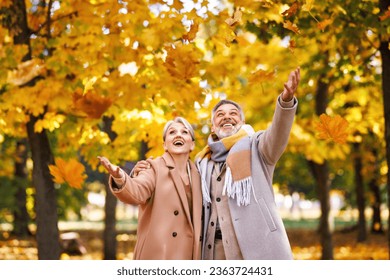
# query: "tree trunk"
{"type": "Point", "coordinates": [21, 217]}
{"type": "Point", "coordinates": [46, 205]}
{"type": "Point", "coordinates": [321, 174]}
{"type": "Point", "coordinates": [357, 160]}
{"type": "Point", "coordinates": [376, 225]}
{"type": "Point", "coordinates": [109, 233]}
{"type": "Point", "coordinates": [385, 54]}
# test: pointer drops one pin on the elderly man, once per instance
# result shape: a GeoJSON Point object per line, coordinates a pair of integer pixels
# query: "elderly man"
{"type": "Point", "coordinates": [241, 220]}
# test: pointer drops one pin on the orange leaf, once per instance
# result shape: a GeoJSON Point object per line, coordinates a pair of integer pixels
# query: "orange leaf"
{"type": "Point", "coordinates": [334, 129]}
{"type": "Point", "coordinates": [292, 10]}
{"type": "Point", "coordinates": [71, 172]}
{"type": "Point", "coordinates": [92, 104]}
{"type": "Point", "coordinates": [386, 15]}
{"type": "Point", "coordinates": [292, 46]}
{"type": "Point", "coordinates": [191, 35]}
{"type": "Point", "coordinates": [291, 26]}
{"type": "Point", "coordinates": [323, 24]}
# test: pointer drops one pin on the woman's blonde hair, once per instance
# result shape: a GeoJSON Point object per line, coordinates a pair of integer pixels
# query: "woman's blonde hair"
{"type": "Point", "coordinates": [184, 122]}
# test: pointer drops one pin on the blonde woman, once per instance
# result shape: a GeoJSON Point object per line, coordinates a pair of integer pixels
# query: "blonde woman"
{"type": "Point", "coordinates": [169, 198]}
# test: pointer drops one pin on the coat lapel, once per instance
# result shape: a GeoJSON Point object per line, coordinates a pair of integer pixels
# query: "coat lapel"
{"type": "Point", "coordinates": [196, 198]}
{"type": "Point", "coordinates": [178, 185]}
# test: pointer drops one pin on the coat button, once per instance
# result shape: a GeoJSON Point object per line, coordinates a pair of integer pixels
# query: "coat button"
{"type": "Point", "coordinates": [176, 212]}
{"type": "Point", "coordinates": [209, 246]}
{"type": "Point", "coordinates": [219, 179]}
{"type": "Point", "coordinates": [218, 199]}
{"type": "Point", "coordinates": [174, 234]}
{"type": "Point", "coordinates": [212, 224]}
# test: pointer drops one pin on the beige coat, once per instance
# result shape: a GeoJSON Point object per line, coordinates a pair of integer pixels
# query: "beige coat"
{"type": "Point", "coordinates": [166, 230]}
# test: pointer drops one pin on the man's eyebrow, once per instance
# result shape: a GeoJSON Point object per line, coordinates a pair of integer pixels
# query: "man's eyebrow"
{"type": "Point", "coordinates": [232, 109]}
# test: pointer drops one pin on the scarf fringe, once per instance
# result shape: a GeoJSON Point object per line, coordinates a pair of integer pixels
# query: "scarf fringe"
{"type": "Point", "coordinates": [240, 189]}
{"type": "Point", "coordinates": [202, 167]}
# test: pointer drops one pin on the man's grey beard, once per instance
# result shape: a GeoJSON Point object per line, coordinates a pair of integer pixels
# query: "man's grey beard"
{"type": "Point", "coordinates": [221, 135]}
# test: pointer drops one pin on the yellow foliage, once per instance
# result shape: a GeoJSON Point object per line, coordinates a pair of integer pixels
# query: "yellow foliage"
{"type": "Point", "coordinates": [71, 172]}
{"type": "Point", "coordinates": [182, 61]}
{"type": "Point", "coordinates": [50, 121]}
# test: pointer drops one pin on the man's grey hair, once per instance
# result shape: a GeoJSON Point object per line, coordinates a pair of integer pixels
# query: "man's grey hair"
{"type": "Point", "coordinates": [227, 101]}
{"type": "Point", "coordinates": [184, 122]}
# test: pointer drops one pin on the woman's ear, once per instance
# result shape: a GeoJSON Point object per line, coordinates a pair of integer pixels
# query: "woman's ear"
{"type": "Point", "coordinates": [192, 146]}
{"type": "Point", "coordinates": [165, 147]}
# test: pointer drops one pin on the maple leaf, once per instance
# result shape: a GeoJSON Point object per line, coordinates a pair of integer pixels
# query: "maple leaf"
{"type": "Point", "coordinates": [291, 26]}
{"type": "Point", "coordinates": [237, 15]}
{"type": "Point", "coordinates": [92, 104]}
{"type": "Point", "coordinates": [182, 61]}
{"type": "Point", "coordinates": [71, 172]}
{"type": "Point", "coordinates": [292, 10]}
{"type": "Point", "coordinates": [332, 128]}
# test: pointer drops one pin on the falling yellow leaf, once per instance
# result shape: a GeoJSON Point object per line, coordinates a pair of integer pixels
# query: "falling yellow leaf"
{"type": "Point", "coordinates": [88, 84]}
{"type": "Point", "coordinates": [261, 76]}
{"type": "Point", "coordinates": [291, 26]}
{"type": "Point", "coordinates": [332, 128]}
{"type": "Point", "coordinates": [26, 71]}
{"type": "Point", "coordinates": [235, 18]}
{"type": "Point", "coordinates": [71, 172]}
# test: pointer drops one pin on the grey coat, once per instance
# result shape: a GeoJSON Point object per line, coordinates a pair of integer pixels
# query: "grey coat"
{"type": "Point", "coordinates": [259, 228]}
